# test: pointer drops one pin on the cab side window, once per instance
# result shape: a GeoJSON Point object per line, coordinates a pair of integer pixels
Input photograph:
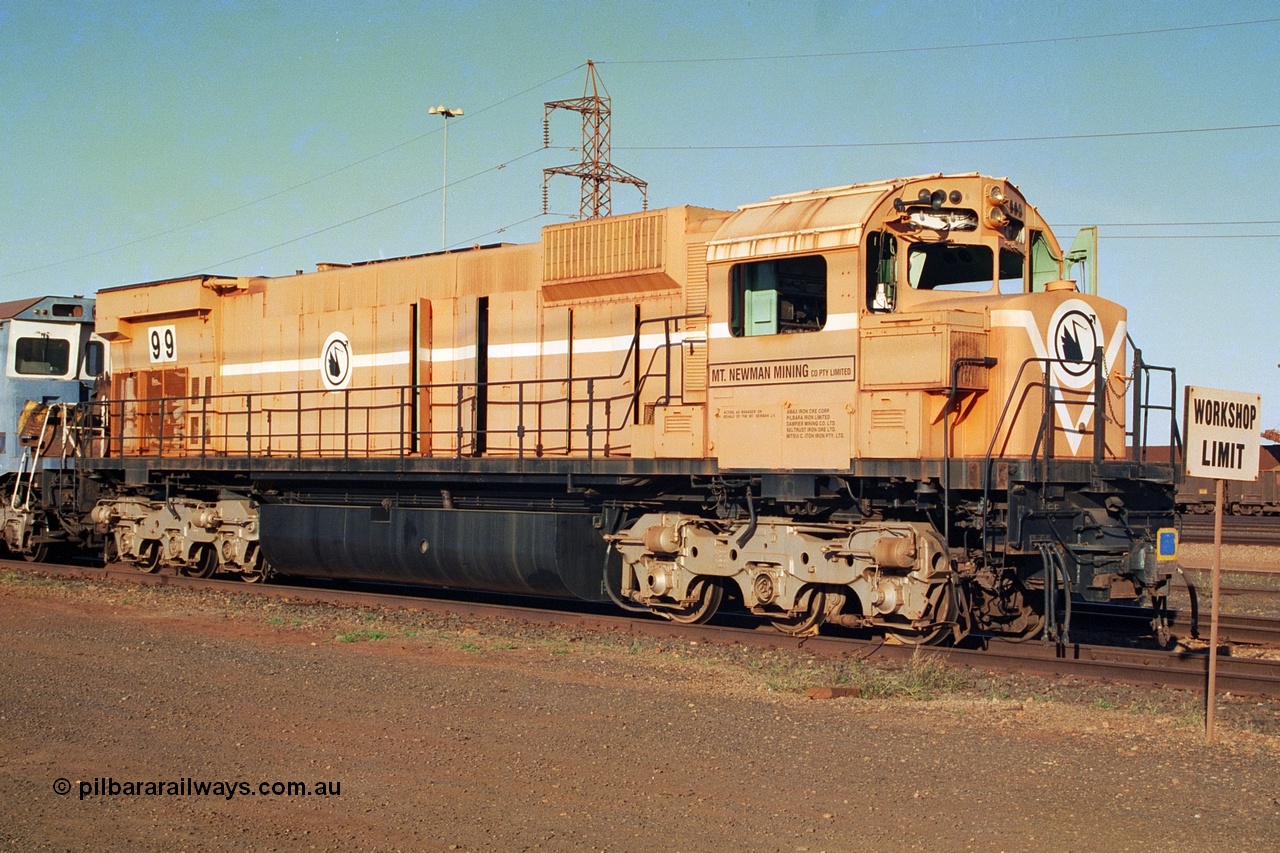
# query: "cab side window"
{"type": "Point", "coordinates": [778, 297]}
{"type": "Point", "coordinates": [882, 272]}
{"type": "Point", "coordinates": [42, 356]}
{"type": "Point", "coordinates": [94, 358]}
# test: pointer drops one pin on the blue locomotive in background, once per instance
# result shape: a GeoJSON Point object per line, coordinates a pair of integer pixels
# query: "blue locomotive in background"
{"type": "Point", "coordinates": [52, 361]}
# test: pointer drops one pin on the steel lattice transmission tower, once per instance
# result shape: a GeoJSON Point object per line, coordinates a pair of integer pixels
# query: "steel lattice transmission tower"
{"type": "Point", "coordinates": [595, 171]}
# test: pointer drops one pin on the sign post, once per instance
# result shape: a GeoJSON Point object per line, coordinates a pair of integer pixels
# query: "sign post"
{"type": "Point", "coordinates": [1222, 442]}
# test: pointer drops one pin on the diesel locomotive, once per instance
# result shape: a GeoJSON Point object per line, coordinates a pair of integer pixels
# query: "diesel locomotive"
{"type": "Point", "coordinates": [52, 361]}
{"type": "Point", "coordinates": [881, 406]}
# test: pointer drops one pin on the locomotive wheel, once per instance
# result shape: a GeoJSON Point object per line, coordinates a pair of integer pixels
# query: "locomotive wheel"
{"type": "Point", "coordinates": [260, 571]}
{"type": "Point", "coordinates": [709, 594]}
{"type": "Point", "coordinates": [1032, 629]}
{"type": "Point", "coordinates": [37, 553]}
{"type": "Point", "coordinates": [1026, 625]}
{"type": "Point", "coordinates": [944, 611]}
{"type": "Point", "coordinates": [206, 564]}
{"type": "Point", "coordinates": [149, 556]}
{"type": "Point", "coordinates": [815, 606]}
{"type": "Point", "coordinates": [255, 576]}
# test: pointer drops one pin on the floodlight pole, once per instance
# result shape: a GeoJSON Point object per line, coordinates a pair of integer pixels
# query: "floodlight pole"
{"type": "Point", "coordinates": [448, 113]}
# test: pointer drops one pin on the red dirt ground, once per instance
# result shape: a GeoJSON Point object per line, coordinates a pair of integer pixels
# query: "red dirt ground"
{"type": "Point", "coordinates": [448, 735]}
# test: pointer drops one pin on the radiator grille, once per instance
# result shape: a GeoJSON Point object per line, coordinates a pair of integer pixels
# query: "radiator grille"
{"type": "Point", "coordinates": [695, 291]}
{"type": "Point", "coordinates": [972, 377]}
{"type": "Point", "coordinates": [677, 422]}
{"type": "Point", "coordinates": [605, 248]}
{"type": "Point", "coordinates": [695, 365]}
{"type": "Point", "coordinates": [889, 419]}
{"type": "Point", "coordinates": [695, 303]}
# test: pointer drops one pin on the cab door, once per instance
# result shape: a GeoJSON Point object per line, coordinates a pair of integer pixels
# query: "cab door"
{"type": "Point", "coordinates": [781, 370]}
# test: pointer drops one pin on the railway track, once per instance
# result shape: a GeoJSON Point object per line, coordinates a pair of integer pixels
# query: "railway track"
{"type": "Point", "coordinates": [1233, 628]}
{"type": "Point", "coordinates": [1236, 530]}
{"type": "Point", "coordinates": [1179, 669]}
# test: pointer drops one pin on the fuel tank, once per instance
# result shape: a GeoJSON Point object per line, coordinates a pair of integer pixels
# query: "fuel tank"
{"type": "Point", "coordinates": [526, 553]}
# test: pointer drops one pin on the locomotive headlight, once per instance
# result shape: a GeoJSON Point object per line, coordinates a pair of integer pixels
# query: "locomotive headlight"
{"type": "Point", "coordinates": [1000, 208]}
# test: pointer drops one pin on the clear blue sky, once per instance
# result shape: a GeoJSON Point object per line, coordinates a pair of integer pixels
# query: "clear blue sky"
{"type": "Point", "coordinates": [150, 140]}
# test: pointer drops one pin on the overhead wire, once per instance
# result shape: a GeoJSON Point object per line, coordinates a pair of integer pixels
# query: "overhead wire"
{"type": "Point", "coordinates": [974, 141]}
{"type": "Point", "coordinates": [383, 209]}
{"type": "Point", "coordinates": [937, 48]}
{"type": "Point", "coordinates": [1225, 223]}
{"type": "Point", "coordinates": [1169, 224]}
{"type": "Point", "coordinates": [874, 52]}
{"type": "Point", "coordinates": [1188, 236]}
{"type": "Point", "coordinates": [508, 227]}
{"type": "Point", "coordinates": [286, 190]}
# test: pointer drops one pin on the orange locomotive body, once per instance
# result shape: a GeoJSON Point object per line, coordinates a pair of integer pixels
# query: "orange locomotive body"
{"type": "Point", "coordinates": [875, 405]}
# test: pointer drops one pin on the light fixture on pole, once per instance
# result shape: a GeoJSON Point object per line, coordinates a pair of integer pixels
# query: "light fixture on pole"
{"type": "Point", "coordinates": [448, 113]}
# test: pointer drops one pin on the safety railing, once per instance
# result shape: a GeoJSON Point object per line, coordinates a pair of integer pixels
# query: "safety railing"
{"type": "Point", "coordinates": [566, 415]}
{"type": "Point", "coordinates": [1143, 408]}
{"type": "Point", "coordinates": [1097, 393]}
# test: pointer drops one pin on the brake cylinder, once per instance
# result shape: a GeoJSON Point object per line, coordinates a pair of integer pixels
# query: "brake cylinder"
{"type": "Point", "coordinates": [895, 552]}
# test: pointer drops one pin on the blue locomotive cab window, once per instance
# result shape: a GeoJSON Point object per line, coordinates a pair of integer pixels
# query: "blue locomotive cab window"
{"type": "Point", "coordinates": [779, 297]}
{"type": "Point", "coordinates": [94, 358]}
{"type": "Point", "coordinates": [42, 356]}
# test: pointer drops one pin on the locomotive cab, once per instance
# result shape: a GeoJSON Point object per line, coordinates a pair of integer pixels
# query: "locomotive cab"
{"type": "Point", "coordinates": [53, 360]}
{"type": "Point", "coordinates": [918, 338]}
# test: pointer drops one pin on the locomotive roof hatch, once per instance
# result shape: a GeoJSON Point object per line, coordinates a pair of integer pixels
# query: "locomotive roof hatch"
{"type": "Point", "coordinates": [810, 221]}
{"type": "Point", "coordinates": [801, 222]}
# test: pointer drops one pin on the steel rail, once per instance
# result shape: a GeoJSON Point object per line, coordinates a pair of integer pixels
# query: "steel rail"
{"type": "Point", "coordinates": [1179, 669]}
{"type": "Point", "coordinates": [1240, 628]}
{"type": "Point", "coordinates": [1236, 530]}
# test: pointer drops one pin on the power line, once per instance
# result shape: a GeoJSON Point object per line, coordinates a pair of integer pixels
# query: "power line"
{"type": "Point", "coordinates": [205, 219]}
{"type": "Point", "coordinates": [972, 46]}
{"type": "Point", "coordinates": [916, 142]}
{"type": "Point", "coordinates": [1167, 224]}
{"type": "Point", "coordinates": [1188, 236]}
{"type": "Point", "coordinates": [479, 237]}
{"type": "Point", "coordinates": [383, 209]}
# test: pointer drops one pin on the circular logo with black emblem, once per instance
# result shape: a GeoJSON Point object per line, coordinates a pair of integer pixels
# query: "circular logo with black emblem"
{"type": "Point", "coordinates": [335, 362]}
{"type": "Point", "coordinates": [1074, 334]}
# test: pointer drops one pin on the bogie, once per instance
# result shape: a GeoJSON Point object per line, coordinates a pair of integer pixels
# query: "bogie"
{"type": "Point", "coordinates": [797, 576]}
{"type": "Point", "coordinates": [190, 536]}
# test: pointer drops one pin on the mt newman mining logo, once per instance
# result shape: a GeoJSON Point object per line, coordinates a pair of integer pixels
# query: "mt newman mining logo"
{"type": "Point", "coordinates": [822, 369]}
{"type": "Point", "coordinates": [1066, 347]}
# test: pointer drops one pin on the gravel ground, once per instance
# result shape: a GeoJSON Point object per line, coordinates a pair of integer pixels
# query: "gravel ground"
{"type": "Point", "coordinates": [445, 733]}
{"type": "Point", "coordinates": [1240, 557]}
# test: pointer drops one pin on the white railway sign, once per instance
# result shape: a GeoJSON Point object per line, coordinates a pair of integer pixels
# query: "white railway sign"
{"type": "Point", "coordinates": [1221, 431]}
